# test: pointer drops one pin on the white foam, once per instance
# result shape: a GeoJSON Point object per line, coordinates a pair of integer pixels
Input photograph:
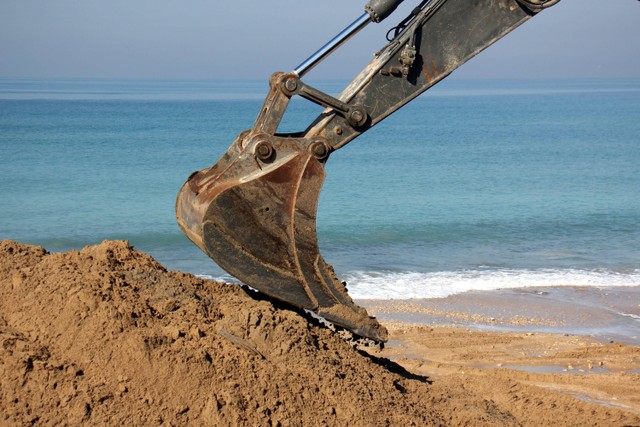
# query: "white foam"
{"type": "Point", "coordinates": [225, 278]}
{"type": "Point", "coordinates": [633, 316]}
{"type": "Point", "coordinates": [406, 285]}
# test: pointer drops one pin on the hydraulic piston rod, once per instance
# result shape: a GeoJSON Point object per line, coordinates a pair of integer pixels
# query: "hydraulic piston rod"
{"type": "Point", "coordinates": [332, 45]}
{"type": "Point", "coordinates": [375, 10]}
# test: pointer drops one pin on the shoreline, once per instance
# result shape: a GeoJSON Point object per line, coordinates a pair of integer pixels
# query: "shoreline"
{"type": "Point", "coordinates": [607, 314]}
{"type": "Point", "coordinates": [549, 344]}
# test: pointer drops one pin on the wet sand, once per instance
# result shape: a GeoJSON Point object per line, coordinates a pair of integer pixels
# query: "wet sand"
{"type": "Point", "coordinates": [579, 343]}
{"type": "Point", "coordinates": [608, 314]}
{"type": "Point", "coordinates": [527, 372]}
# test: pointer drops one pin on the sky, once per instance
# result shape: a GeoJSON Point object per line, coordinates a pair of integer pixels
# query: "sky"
{"type": "Point", "coordinates": [250, 39]}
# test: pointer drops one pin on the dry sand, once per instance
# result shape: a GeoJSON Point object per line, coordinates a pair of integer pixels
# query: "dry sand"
{"type": "Point", "coordinates": [107, 336]}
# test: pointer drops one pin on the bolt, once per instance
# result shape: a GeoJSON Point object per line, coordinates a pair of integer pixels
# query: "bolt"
{"type": "Point", "coordinates": [291, 84]}
{"type": "Point", "coordinates": [320, 150]}
{"type": "Point", "coordinates": [356, 116]}
{"type": "Point", "coordinates": [263, 150]}
{"type": "Point", "coordinates": [338, 130]}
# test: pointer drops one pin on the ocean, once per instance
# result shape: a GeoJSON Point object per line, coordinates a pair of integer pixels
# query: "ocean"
{"type": "Point", "coordinates": [476, 185]}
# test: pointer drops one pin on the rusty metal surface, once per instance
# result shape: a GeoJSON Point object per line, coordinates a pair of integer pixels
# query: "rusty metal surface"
{"type": "Point", "coordinates": [256, 217]}
{"type": "Point", "coordinates": [254, 213]}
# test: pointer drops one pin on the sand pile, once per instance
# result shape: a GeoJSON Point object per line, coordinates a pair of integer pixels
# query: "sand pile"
{"type": "Point", "coordinates": [108, 336]}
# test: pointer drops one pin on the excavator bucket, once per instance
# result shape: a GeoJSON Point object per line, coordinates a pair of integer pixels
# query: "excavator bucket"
{"type": "Point", "coordinates": [254, 213]}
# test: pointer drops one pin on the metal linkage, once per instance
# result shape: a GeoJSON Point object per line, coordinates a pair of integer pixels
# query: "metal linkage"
{"type": "Point", "coordinates": [355, 115]}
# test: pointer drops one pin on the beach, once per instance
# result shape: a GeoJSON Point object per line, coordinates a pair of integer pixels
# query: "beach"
{"type": "Point", "coordinates": [538, 344]}
{"type": "Point", "coordinates": [499, 249]}
{"type": "Point", "coordinates": [528, 375]}
{"type": "Point", "coordinates": [107, 335]}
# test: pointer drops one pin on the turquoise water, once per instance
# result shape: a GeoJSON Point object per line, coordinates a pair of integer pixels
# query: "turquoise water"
{"type": "Point", "coordinates": [478, 185]}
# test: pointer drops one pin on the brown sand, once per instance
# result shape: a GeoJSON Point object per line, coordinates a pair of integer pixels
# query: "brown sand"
{"type": "Point", "coordinates": [107, 336]}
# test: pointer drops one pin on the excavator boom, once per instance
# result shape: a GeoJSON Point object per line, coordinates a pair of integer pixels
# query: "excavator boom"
{"type": "Point", "coordinates": [254, 211]}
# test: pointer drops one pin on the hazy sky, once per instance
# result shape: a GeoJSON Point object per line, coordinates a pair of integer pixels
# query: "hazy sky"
{"type": "Point", "coordinates": [213, 39]}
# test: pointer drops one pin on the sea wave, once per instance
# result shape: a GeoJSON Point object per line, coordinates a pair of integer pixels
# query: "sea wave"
{"type": "Point", "coordinates": [407, 285]}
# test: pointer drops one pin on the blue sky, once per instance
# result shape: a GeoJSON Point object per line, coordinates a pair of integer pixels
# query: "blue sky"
{"type": "Point", "coordinates": [249, 39]}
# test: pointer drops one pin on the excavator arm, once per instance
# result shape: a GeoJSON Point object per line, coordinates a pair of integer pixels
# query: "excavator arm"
{"type": "Point", "coordinates": [254, 211]}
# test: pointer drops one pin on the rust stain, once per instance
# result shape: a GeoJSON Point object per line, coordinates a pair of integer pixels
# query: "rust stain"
{"type": "Point", "coordinates": [434, 68]}
{"type": "Point", "coordinates": [430, 70]}
{"type": "Point", "coordinates": [425, 71]}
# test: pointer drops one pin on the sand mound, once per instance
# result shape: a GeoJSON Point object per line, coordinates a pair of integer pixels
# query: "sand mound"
{"type": "Point", "coordinates": [108, 335]}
